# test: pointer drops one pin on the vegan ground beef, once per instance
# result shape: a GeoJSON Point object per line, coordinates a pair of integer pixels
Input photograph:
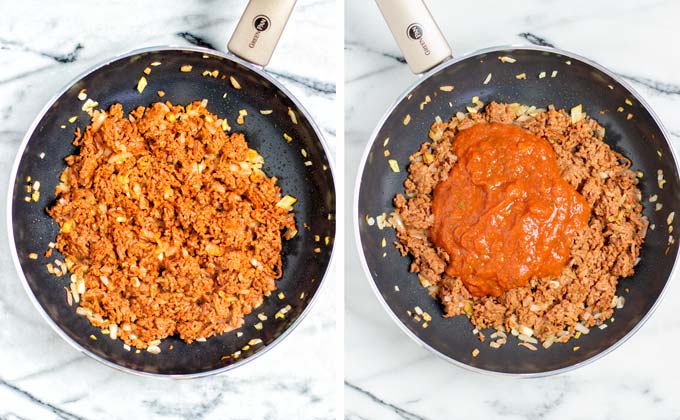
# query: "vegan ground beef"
{"type": "Point", "coordinates": [168, 224]}
{"type": "Point", "coordinates": [549, 309]}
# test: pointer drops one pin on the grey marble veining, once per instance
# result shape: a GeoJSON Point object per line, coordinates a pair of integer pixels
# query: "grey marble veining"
{"type": "Point", "coordinates": [44, 45]}
{"type": "Point", "coordinates": [387, 376]}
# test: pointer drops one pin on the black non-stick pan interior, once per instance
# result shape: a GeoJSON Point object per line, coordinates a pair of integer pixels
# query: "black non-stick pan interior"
{"type": "Point", "coordinates": [116, 82]}
{"type": "Point", "coordinates": [639, 138]}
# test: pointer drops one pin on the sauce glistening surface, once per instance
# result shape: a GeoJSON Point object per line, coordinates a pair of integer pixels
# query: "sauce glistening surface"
{"type": "Point", "coordinates": [504, 215]}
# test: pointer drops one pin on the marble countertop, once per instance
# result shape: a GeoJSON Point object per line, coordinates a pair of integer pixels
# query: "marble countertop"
{"type": "Point", "coordinates": [42, 377]}
{"type": "Point", "coordinates": [388, 376]}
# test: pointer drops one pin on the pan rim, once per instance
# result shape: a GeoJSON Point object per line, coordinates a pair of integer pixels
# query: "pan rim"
{"type": "Point", "coordinates": [20, 154]}
{"type": "Point", "coordinates": [422, 78]}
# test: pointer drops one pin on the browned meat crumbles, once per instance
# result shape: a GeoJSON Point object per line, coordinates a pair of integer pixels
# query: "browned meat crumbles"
{"type": "Point", "coordinates": [168, 224]}
{"type": "Point", "coordinates": [548, 309]}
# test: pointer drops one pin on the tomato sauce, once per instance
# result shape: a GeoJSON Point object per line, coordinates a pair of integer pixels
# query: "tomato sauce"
{"type": "Point", "coordinates": [504, 215]}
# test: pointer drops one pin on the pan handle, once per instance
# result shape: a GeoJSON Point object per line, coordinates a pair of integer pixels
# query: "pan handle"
{"type": "Point", "coordinates": [417, 34]}
{"type": "Point", "coordinates": [259, 30]}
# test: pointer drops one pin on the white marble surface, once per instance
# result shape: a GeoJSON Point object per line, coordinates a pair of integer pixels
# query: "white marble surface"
{"type": "Point", "coordinates": [43, 45]}
{"type": "Point", "coordinates": [387, 376]}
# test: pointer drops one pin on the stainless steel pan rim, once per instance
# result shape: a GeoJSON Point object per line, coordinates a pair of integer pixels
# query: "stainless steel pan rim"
{"type": "Point", "coordinates": [364, 264]}
{"type": "Point", "coordinates": [10, 191]}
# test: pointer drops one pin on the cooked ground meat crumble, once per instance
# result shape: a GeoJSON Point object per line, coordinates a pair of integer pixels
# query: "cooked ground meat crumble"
{"type": "Point", "coordinates": [550, 309]}
{"type": "Point", "coordinates": [168, 224]}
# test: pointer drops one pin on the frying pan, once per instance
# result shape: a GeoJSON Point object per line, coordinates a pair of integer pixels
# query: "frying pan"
{"type": "Point", "coordinates": [305, 261]}
{"type": "Point", "coordinates": [578, 81]}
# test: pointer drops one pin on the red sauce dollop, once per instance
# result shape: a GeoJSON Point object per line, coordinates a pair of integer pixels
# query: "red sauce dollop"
{"type": "Point", "coordinates": [504, 215]}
